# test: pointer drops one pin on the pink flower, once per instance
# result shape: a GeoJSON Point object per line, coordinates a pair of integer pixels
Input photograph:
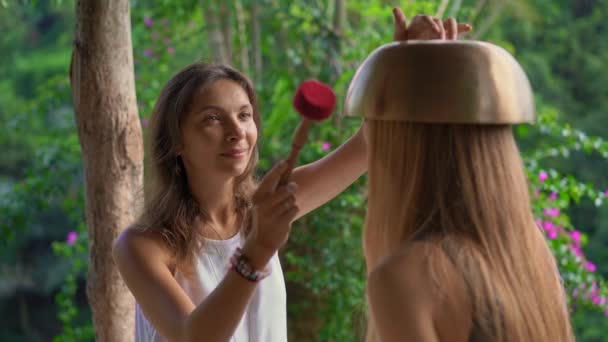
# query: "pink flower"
{"type": "Point", "coordinates": [71, 238]}
{"type": "Point", "coordinates": [148, 22]}
{"type": "Point", "coordinates": [325, 146]}
{"type": "Point", "coordinates": [171, 50]}
{"type": "Point", "coordinates": [536, 192]}
{"type": "Point", "coordinates": [589, 266]}
{"type": "Point", "coordinates": [553, 196]}
{"type": "Point", "coordinates": [552, 212]}
{"type": "Point", "coordinates": [606, 312]}
{"type": "Point", "coordinates": [576, 250]}
{"type": "Point", "coordinates": [576, 237]}
{"type": "Point", "coordinates": [148, 52]}
{"type": "Point", "coordinates": [542, 176]}
{"type": "Point", "coordinates": [166, 40]}
{"type": "Point", "coordinates": [550, 229]}
{"type": "Point", "coordinates": [606, 193]}
{"type": "Point", "coordinates": [553, 235]}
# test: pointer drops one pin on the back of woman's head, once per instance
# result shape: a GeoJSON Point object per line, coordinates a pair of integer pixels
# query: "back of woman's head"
{"type": "Point", "coordinates": [463, 187]}
{"type": "Point", "coordinates": [170, 208]}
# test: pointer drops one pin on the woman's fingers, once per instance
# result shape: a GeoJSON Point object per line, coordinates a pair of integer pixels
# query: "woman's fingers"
{"type": "Point", "coordinates": [278, 203]}
{"type": "Point", "coordinates": [400, 21]}
{"type": "Point", "coordinates": [424, 27]}
{"type": "Point", "coordinates": [290, 214]}
{"type": "Point", "coordinates": [270, 181]}
{"type": "Point", "coordinates": [441, 28]}
{"type": "Point", "coordinates": [431, 21]}
{"type": "Point", "coordinates": [285, 194]}
{"type": "Point", "coordinates": [464, 28]}
{"type": "Point", "coordinates": [451, 29]}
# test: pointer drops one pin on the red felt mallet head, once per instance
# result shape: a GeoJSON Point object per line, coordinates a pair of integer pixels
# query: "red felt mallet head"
{"type": "Point", "coordinates": [314, 100]}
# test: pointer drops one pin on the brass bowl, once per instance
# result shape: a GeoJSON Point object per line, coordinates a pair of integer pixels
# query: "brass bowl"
{"type": "Point", "coordinates": [465, 82]}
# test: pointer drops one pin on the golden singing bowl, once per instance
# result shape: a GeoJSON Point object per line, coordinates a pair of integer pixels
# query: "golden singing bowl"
{"type": "Point", "coordinates": [440, 81]}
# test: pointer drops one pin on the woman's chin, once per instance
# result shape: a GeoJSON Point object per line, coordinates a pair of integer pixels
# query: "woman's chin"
{"type": "Point", "coordinates": [234, 169]}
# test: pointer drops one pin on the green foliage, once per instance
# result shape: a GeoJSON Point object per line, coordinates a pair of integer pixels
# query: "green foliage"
{"type": "Point", "coordinates": [553, 195]}
{"type": "Point", "coordinates": [42, 183]}
{"type": "Point", "coordinates": [558, 42]}
{"type": "Point", "coordinates": [76, 326]}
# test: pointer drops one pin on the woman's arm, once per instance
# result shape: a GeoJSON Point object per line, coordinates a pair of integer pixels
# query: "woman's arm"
{"type": "Point", "coordinates": [416, 294]}
{"type": "Point", "coordinates": [324, 179]}
{"type": "Point", "coordinates": [144, 266]}
{"type": "Point", "coordinates": [145, 262]}
{"type": "Point", "coordinates": [400, 304]}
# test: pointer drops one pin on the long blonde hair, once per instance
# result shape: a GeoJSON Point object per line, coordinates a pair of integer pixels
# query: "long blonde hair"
{"type": "Point", "coordinates": [463, 186]}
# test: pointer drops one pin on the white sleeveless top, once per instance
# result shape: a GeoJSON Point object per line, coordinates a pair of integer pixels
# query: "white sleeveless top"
{"type": "Point", "coordinates": [265, 319]}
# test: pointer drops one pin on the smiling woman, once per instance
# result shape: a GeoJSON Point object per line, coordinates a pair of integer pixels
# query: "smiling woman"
{"type": "Point", "coordinates": [209, 234]}
{"type": "Point", "coordinates": [220, 133]}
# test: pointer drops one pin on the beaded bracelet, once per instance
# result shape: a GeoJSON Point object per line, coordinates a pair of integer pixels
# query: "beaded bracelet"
{"type": "Point", "coordinates": [241, 265]}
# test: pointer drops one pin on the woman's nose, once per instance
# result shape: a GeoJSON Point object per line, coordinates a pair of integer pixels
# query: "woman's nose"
{"type": "Point", "coordinates": [235, 131]}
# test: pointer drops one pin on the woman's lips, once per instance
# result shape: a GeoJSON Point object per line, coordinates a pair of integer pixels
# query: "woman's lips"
{"type": "Point", "coordinates": [236, 154]}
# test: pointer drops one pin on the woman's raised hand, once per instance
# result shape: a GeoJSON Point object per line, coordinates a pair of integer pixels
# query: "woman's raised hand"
{"type": "Point", "coordinates": [273, 212]}
{"type": "Point", "coordinates": [426, 27]}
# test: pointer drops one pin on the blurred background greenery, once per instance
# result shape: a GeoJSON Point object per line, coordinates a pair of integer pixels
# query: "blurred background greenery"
{"type": "Point", "coordinates": [279, 43]}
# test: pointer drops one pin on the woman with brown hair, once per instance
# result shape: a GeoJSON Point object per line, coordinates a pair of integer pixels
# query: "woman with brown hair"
{"type": "Point", "coordinates": [451, 246]}
{"type": "Point", "coordinates": [202, 260]}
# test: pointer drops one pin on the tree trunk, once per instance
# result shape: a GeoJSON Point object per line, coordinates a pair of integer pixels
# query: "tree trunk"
{"type": "Point", "coordinates": [441, 9]}
{"type": "Point", "coordinates": [475, 13]}
{"type": "Point", "coordinates": [216, 36]}
{"type": "Point", "coordinates": [110, 135]}
{"type": "Point", "coordinates": [24, 315]}
{"type": "Point", "coordinates": [226, 27]}
{"type": "Point", "coordinates": [455, 9]}
{"type": "Point", "coordinates": [243, 41]}
{"type": "Point", "coordinates": [335, 50]}
{"type": "Point", "coordinates": [495, 10]}
{"type": "Point", "coordinates": [256, 42]}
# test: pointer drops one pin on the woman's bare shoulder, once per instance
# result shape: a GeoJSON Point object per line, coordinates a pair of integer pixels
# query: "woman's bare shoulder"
{"type": "Point", "coordinates": [134, 245]}
{"type": "Point", "coordinates": [145, 264]}
{"type": "Point", "coordinates": [408, 267]}
{"type": "Point", "coordinates": [400, 303]}
{"type": "Point", "coordinates": [406, 285]}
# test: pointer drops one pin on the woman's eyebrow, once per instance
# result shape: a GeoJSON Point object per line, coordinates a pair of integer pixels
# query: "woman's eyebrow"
{"type": "Point", "coordinates": [207, 107]}
{"type": "Point", "coordinates": [210, 107]}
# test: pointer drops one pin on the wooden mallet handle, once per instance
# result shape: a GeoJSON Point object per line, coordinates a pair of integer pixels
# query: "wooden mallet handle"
{"type": "Point", "coordinates": [314, 100]}
{"type": "Point", "coordinates": [299, 140]}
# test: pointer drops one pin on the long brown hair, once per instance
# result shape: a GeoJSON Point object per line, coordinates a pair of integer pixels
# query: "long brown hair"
{"type": "Point", "coordinates": [170, 209]}
{"type": "Point", "coordinates": [463, 187]}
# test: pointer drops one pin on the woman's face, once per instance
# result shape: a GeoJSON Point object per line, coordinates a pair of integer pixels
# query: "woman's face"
{"type": "Point", "coordinates": [219, 134]}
